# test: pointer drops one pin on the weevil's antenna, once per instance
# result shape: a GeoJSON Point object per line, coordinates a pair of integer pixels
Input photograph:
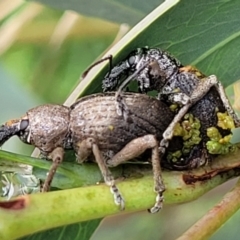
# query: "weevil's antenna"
{"type": "Point", "coordinates": [110, 64]}
{"type": "Point", "coordinates": [108, 58]}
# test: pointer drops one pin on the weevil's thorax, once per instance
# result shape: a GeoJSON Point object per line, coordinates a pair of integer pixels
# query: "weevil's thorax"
{"type": "Point", "coordinates": [162, 67]}
{"type": "Point", "coordinates": [168, 64]}
{"type": "Point", "coordinates": [48, 128]}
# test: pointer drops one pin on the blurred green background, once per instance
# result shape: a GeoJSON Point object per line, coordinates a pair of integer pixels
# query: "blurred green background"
{"type": "Point", "coordinates": [43, 53]}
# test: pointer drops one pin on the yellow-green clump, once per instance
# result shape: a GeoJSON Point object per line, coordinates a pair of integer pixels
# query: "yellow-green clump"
{"type": "Point", "coordinates": [174, 107]}
{"type": "Point", "coordinates": [218, 144]}
{"type": "Point", "coordinates": [189, 130]}
{"type": "Point", "coordinates": [225, 121]}
{"type": "Point", "coordinates": [174, 156]}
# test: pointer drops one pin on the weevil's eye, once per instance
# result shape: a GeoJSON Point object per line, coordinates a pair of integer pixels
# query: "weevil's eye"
{"type": "Point", "coordinates": [132, 60]}
{"type": "Point", "coordinates": [24, 124]}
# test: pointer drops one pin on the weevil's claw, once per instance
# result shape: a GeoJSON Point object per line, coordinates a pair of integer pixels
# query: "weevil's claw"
{"type": "Point", "coordinates": [158, 205]}
{"type": "Point", "coordinates": [118, 199]}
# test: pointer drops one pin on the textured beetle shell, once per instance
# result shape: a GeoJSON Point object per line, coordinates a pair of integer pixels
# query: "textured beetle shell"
{"type": "Point", "coordinates": [48, 126]}
{"type": "Point", "coordinates": [96, 117]}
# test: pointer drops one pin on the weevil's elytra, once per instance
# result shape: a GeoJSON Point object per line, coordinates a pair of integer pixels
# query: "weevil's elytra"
{"type": "Point", "coordinates": [111, 130]}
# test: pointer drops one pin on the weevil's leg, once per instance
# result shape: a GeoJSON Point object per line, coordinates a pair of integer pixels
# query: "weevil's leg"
{"type": "Point", "coordinates": [158, 181]}
{"type": "Point", "coordinates": [135, 148]}
{"type": "Point", "coordinates": [107, 175]}
{"type": "Point", "coordinates": [205, 85]}
{"type": "Point", "coordinates": [168, 133]}
{"type": "Point", "coordinates": [202, 89]}
{"type": "Point", "coordinates": [121, 106]}
{"type": "Point", "coordinates": [57, 156]}
{"type": "Point", "coordinates": [108, 178]}
{"type": "Point", "coordinates": [226, 103]}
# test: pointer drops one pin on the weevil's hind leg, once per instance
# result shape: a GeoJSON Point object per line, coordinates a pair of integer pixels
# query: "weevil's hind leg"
{"type": "Point", "coordinates": [204, 87]}
{"type": "Point", "coordinates": [201, 90]}
{"type": "Point", "coordinates": [159, 186]}
{"type": "Point", "coordinates": [226, 103]}
{"type": "Point", "coordinates": [135, 148]}
{"type": "Point", "coordinates": [90, 143]}
{"type": "Point", "coordinates": [57, 156]}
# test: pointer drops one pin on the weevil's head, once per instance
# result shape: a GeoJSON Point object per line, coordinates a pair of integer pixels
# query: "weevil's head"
{"type": "Point", "coordinates": [13, 127]}
{"type": "Point", "coordinates": [48, 127]}
{"type": "Point", "coordinates": [123, 68]}
{"type": "Point", "coordinates": [45, 127]}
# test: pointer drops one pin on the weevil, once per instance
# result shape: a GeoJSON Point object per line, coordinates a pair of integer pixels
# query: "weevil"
{"type": "Point", "coordinates": [176, 84]}
{"type": "Point", "coordinates": [92, 127]}
{"type": "Point", "coordinates": [95, 131]}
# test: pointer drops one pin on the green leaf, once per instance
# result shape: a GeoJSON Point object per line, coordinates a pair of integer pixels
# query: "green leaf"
{"type": "Point", "coordinates": [203, 33]}
{"type": "Point", "coordinates": [82, 231]}
{"type": "Point", "coordinates": [130, 11]}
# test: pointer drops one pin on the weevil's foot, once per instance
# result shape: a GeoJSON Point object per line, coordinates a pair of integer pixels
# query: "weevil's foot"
{"type": "Point", "coordinates": [44, 187]}
{"type": "Point", "coordinates": [164, 143]}
{"type": "Point", "coordinates": [41, 185]}
{"type": "Point", "coordinates": [118, 199]}
{"type": "Point", "coordinates": [158, 205]}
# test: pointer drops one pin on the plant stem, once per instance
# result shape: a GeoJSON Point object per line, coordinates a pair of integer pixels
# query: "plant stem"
{"type": "Point", "coordinates": [216, 217]}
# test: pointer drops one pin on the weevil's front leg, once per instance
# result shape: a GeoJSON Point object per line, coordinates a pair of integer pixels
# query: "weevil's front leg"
{"type": "Point", "coordinates": [121, 106]}
{"type": "Point", "coordinates": [57, 157]}
{"type": "Point", "coordinates": [135, 148]}
{"type": "Point", "coordinates": [107, 175]}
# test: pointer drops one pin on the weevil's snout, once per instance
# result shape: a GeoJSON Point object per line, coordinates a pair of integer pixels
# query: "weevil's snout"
{"type": "Point", "coordinates": [11, 128]}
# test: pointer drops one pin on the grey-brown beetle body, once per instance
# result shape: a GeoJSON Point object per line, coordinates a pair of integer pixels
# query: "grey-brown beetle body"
{"type": "Point", "coordinates": [95, 117]}
{"type": "Point", "coordinates": [92, 127]}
